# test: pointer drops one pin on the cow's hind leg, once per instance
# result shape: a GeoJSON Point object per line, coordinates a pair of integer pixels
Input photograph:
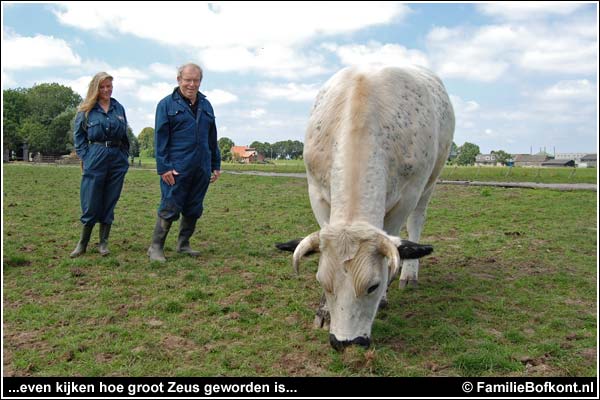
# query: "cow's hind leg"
{"type": "Point", "coordinates": [414, 225]}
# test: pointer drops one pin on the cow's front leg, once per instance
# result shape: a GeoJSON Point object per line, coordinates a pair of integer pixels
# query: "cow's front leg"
{"type": "Point", "coordinates": [322, 319]}
{"type": "Point", "coordinates": [410, 274]}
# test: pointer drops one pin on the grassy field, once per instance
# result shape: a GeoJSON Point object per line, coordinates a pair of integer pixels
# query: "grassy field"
{"type": "Point", "coordinates": [521, 174]}
{"type": "Point", "coordinates": [499, 174]}
{"type": "Point", "coordinates": [275, 166]}
{"type": "Point", "coordinates": [510, 289]}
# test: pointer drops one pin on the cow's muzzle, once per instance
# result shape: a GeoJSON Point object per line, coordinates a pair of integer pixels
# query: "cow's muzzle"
{"type": "Point", "coordinates": [341, 345]}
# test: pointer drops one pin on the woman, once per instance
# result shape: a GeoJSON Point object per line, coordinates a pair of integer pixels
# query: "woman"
{"type": "Point", "coordinates": [102, 145]}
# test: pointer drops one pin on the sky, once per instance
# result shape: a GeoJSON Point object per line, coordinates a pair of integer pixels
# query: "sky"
{"type": "Point", "coordinates": [522, 77]}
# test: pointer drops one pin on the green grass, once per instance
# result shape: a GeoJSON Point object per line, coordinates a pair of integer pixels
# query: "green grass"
{"type": "Point", "coordinates": [281, 166]}
{"type": "Point", "coordinates": [509, 291]}
{"type": "Point", "coordinates": [520, 174]}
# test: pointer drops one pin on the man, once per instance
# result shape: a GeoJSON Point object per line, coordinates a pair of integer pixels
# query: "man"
{"type": "Point", "coordinates": [185, 141]}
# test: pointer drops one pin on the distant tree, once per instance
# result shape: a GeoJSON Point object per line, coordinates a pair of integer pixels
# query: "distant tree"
{"type": "Point", "coordinates": [278, 150]}
{"type": "Point", "coordinates": [134, 144]}
{"type": "Point", "coordinates": [146, 142]}
{"type": "Point", "coordinates": [453, 153]}
{"type": "Point", "coordinates": [35, 134]}
{"type": "Point", "coordinates": [47, 100]}
{"type": "Point", "coordinates": [296, 149]}
{"type": "Point", "coordinates": [467, 153]}
{"type": "Point", "coordinates": [501, 156]}
{"type": "Point", "coordinates": [261, 148]}
{"type": "Point", "coordinates": [15, 110]}
{"type": "Point", "coordinates": [41, 116]}
{"type": "Point", "coordinates": [60, 133]}
{"type": "Point", "coordinates": [225, 145]}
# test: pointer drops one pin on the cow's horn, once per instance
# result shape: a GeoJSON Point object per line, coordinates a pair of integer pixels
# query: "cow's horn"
{"type": "Point", "coordinates": [388, 249]}
{"type": "Point", "coordinates": [308, 245]}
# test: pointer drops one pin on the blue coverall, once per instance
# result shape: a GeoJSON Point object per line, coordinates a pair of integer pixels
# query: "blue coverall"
{"type": "Point", "coordinates": [104, 167]}
{"type": "Point", "coordinates": [188, 145]}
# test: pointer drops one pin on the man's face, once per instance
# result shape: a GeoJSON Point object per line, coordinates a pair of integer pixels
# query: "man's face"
{"type": "Point", "coordinates": [189, 82]}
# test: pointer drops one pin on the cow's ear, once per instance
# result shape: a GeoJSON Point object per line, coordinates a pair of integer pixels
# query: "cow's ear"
{"type": "Point", "coordinates": [410, 250]}
{"type": "Point", "coordinates": [288, 246]}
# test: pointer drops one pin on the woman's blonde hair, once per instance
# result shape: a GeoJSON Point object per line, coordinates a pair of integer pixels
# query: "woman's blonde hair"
{"type": "Point", "coordinates": [92, 94]}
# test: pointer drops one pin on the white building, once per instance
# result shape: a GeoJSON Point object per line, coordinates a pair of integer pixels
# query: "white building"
{"type": "Point", "coordinates": [570, 156]}
{"type": "Point", "coordinates": [486, 160]}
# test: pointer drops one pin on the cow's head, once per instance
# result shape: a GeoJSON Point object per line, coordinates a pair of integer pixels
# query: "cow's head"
{"type": "Point", "coordinates": [356, 265]}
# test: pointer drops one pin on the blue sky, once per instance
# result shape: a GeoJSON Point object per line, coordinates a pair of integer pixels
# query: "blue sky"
{"type": "Point", "coordinates": [521, 76]}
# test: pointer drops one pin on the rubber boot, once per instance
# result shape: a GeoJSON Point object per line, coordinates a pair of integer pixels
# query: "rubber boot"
{"type": "Point", "coordinates": [156, 251]}
{"type": "Point", "coordinates": [187, 226]}
{"type": "Point", "coordinates": [103, 245]}
{"type": "Point", "coordinates": [86, 233]}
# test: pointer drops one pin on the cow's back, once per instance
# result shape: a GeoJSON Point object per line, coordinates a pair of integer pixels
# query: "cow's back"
{"type": "Point", "coordinates": [381, 130]}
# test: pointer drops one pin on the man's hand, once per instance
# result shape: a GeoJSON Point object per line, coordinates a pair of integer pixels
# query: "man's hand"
{"type": "Point", "coordinates": [169, 177]}
{"type": "Point", "coordinates": [215, 175]}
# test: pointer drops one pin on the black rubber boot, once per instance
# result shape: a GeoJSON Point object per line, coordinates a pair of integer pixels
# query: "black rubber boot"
{"type": "Point", "coordinates": [187, 226]}
{"type": "Point", "coordinates": [156, 251]}
{"type": "Point", "coordinates": [86, 233]}
{"type": "Point", "coordinates": [103, 245]}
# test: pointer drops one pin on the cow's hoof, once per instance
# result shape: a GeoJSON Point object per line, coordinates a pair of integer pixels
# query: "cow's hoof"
{"type": "Point", "coordinates": [321, 322]}
{"type": "Point", "coordinates": [404, 283]}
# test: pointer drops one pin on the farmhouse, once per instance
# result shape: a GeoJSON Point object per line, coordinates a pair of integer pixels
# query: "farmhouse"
{"type": "Point", "coordinates": [569, 156]}
{"type": "Point", "coordinates": [246, 154]}
{"type": "Point", "coordinates": [588, 161]}
{"type": "Point", "coordinates": [484, 160]}
{"type": "Point", "coordinates": [528, 160]}
{"type": "Point", "coordinates": [559, 163]}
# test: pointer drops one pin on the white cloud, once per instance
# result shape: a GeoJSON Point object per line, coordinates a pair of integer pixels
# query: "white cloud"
{"type": "Point", "coordinates": [257, 113]}
{"type": "Point", "coordinates": [463, 107]}
{"type": "Point", "coordinates": [219, 97]}
{"type": "Point", "coordinates": [7, 80]}
{"type": "Point", "coordinates": [466, 112]}
{"type": "Point", "coordinates": [79, 85]}
{"type": "Point", "coordinates": [490, 52]}
{"type": "Point", "coordinates": [255, 23]}
{"type": "Point", "coordinates": [139, 118]}
{"type": "Point", "coordinates": [154, 92]}
{"type": "Point", "coordinates": [458, 53]}
{"type": "Point", "coordinates": [271, 59]}
{"type": "Point", "coordinates": [375, 53]}
{"type": "Point", "coordinates": [164, 71]}
{"type": "Point", "coordinates": [527, 11]}
{"type": "Point", "coordinates": [575, 90]}
{"type": "Point", "coordinates": [39, 51]}
{"type": "Point", "coordinates": [559, 53]}
{"type": "Point", "coordinates": [289, 91]}
{"type": "Point", "coordinates": [262, 37]}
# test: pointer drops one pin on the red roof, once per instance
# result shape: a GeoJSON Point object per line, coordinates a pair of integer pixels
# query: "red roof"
{"type": "Point", "coordinates": [243, 151]}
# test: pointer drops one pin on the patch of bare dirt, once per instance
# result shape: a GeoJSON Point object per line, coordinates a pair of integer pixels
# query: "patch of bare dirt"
{"type": "Point", "coordinates": [540, 366]}
{"type": "Point", "coordinates": [298, 364]}
{"type": "Point", "coordinates": [19, 341]}
{"type": "Point", "coordinates": [589, 354]}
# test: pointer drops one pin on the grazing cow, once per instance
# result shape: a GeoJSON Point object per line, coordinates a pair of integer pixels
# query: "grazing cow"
{"type": "Point", "coordinates": [375, 145]}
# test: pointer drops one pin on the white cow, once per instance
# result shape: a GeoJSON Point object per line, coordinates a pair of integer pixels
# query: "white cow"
{"type": "Point", "coordinates": [375, 145]}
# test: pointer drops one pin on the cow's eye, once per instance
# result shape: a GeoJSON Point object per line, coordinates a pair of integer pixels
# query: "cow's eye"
{"type": "Point", "coordinates": [373, 288]}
